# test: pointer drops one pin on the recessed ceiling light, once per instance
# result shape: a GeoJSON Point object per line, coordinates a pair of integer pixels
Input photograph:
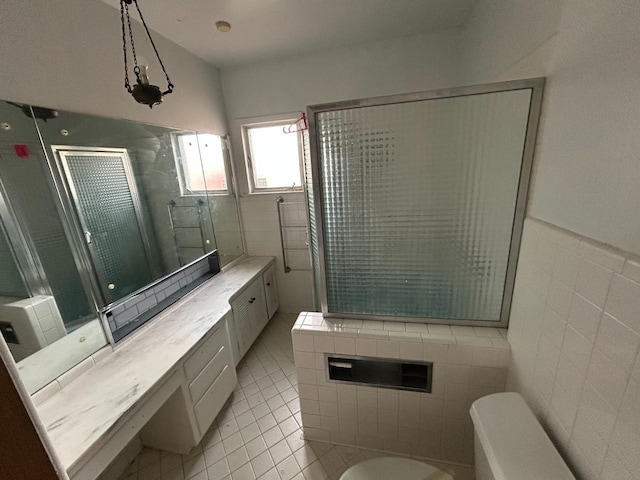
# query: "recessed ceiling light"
{"type": "Point", "coordinates": [223, 26]}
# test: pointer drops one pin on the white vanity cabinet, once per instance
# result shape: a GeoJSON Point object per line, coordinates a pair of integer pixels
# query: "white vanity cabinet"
{"type": "Point", "coordinates": [211, 376]}
{"type": "Point", "coordinates": [253, 307]}
{"type": "Point", "coordinates": [249, 314]}
{"type": "Point", "coordinates": [205, 381]}
{"type": "Point", "coordinates": [168, 382]}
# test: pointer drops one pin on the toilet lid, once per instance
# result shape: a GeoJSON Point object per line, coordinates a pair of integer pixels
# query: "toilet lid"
{"type": "Point", "coordinates": [387, 468]}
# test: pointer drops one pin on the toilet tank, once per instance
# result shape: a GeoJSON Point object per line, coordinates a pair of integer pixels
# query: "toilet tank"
{"type": "Point", "coordinates": [510, 443]}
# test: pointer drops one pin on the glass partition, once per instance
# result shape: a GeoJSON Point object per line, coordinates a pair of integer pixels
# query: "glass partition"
{"type": "Point", "coordinates": [420, 199]}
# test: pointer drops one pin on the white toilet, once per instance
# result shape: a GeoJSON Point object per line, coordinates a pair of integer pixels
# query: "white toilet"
{"type": "Point", "coordinates": [510, 444]}
{"type": "Point", "coordinates": [388, 468]}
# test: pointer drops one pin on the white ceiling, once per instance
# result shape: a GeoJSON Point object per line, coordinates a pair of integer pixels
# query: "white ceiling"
{"type": "Point", "coordinates": [268, 29]}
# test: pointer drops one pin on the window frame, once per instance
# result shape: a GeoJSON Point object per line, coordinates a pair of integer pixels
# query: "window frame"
{"type": "Point", "coordinates": [182, 168]}
{"type": "Point", "coordinates": [248, 163]}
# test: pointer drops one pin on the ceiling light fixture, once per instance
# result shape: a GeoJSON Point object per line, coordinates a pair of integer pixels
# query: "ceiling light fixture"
{"type": "Point", "coordinates": [223, 26]}
{"type": "Point", "coordinates": [143, 92]}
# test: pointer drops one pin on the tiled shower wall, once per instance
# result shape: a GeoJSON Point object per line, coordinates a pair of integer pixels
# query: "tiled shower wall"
{"type": "Point", "coordinates": [575, 335]}
{"type": "Point", "coordinates": [468, 363]}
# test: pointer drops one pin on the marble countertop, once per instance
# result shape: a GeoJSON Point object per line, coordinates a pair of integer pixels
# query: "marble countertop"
{"type": "Point", "coordinates": [79, 417]}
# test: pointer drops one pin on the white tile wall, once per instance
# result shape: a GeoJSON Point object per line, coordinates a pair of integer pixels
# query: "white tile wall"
{"type": "Point", "coordinates": [575, 336]}
{"type": "Point", "coordinates": [468, 363]}
{"type": "Point", "coordinates": [36, 321]}
{"type": "Point", "coordinates": [130, 310]}
{"type": "Point", "coordinates": [262, 235]}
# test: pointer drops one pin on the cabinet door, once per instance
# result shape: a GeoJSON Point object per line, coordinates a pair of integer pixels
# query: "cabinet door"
{"type": "Point", "coordinates": [271, 290]}
{"type": "Point", "coordinates": [250, 314]}
{"type": "Point", "coordinates": [233, 339]}
{"type": "Point", "coordinates": [258, 306]}
{"type": "Point", "coordinates": [242, 321]}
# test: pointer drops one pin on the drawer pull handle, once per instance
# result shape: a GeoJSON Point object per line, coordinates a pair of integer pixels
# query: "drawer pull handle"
{"type": "Point", "coordinates": [268, 284]}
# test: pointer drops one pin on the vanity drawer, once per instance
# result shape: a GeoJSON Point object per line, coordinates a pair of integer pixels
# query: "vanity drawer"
{"type": "Point", "coordinates": [209, 373]}
{"type": "Point", "coordinates": [203, 355]}
{"type": "Point", "coordinates": [212, 401]}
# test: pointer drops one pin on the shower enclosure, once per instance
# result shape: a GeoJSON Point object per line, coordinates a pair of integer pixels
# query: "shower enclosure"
{"type": "Point", "coordinates": [418, 202]}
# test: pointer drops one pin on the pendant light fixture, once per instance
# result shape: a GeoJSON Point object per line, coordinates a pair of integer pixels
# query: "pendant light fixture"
{"type": "Point", "coordinates": [143, 92]}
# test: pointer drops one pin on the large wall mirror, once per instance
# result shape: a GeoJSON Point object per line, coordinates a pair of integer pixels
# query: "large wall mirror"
{"type": "Point", "coordinates": [93, 209]}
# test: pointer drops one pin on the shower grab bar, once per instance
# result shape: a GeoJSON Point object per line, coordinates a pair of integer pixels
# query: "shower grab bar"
{"type": "Point", "coordinates": [279, 202]}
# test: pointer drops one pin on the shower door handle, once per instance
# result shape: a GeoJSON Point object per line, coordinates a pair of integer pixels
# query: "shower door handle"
{"type": "Point", "coordinates": [87, 236]}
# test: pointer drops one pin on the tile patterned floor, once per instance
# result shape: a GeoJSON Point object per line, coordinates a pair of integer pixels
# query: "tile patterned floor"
{"type": "Point", "coordinates": [258, 433]}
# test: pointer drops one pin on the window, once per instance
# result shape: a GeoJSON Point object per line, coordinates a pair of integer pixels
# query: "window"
{"type": "Point", "coordinates": [273, 157]}
{"type": "Point", "coordinates": [200, 159]}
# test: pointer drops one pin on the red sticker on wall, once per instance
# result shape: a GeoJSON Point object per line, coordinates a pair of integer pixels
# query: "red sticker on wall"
{"type": "Point", "coordinates": [21, 150]}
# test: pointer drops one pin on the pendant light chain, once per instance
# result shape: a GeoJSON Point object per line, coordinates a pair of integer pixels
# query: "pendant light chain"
{"type": "Point", "coordinates": [136, 68]}
{"type": "Point", "coordinates": [169, 84]}
{"type": "Point", "coordinates": [124, 7]}
{"type": "Point", "coordinates": [127, 85]}
{"type": "Point", "coordinates": [142, 91]}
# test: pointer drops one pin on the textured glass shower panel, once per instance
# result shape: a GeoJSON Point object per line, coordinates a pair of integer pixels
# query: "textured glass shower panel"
{"type": "Point", "coordinates": [418, 204]}
{"type": "Point", "coordinates": [106, 207]}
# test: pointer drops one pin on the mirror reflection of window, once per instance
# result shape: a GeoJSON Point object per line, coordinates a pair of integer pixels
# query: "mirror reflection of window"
{"type": "Point", "coordinates": [201, 162]}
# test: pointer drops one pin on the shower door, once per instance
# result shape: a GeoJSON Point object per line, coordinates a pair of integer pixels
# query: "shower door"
{"type": "Point", "coordinates": [105, 199]}
{"type": "Point", "coordinates": [419, 201]}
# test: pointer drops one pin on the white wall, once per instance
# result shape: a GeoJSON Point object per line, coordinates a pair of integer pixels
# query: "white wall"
{"type": "Point", "coordinates": [407, 64]}
{"type": "Point", "coordinates": [588, 169]}
{"type": "Point", "coordinates": [402, 65]}
{"type": "Point", "coordinates": [500, 34]}
{"type": "Point", "coordinates": [68, 55]}
{"type": "Point", "coordinates": [573, 330]}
